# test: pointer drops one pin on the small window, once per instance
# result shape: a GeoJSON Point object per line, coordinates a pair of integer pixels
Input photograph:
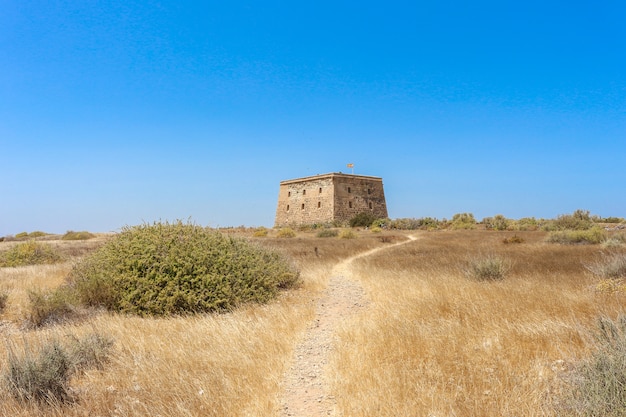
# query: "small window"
{"type": "Point", "coordinates": [370, 204]}
{"type": "Point", "coordinates": [303, 192]}
{"type": "Point", "coordinates": [288, 193]}
{"type": "Point", "coordinates": [319, 204]}
{"type": "Point", "coordinates": [287, 207]}
{"type": "Point", "coordinates": [350, 204]}
{"type": "Point", "coordinates": [349, 189]}
{"type": "Point", "coordinates": [369, 191]}
{"type": "Point", "coordinates": [320, 190]}
{"type": "Point", "coordinates": [302, 206]}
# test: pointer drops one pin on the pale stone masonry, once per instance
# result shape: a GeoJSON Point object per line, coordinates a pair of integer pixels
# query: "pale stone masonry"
{"type": "Point", "coordinates": [329, 197]}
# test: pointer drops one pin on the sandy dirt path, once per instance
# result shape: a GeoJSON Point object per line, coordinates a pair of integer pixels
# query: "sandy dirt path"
{"type": "Point", "coordinates": [306, 392]}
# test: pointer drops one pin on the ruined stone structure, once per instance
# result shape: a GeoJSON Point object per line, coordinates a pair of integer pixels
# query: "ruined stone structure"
{"type": "Point", "coordinates": [329, 197]}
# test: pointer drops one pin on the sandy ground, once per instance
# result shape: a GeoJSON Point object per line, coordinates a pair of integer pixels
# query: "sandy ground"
{"type": "Point", "coordinates": [306, 392]}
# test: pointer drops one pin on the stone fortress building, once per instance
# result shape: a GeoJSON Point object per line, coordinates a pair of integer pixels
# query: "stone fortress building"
{"type": "Point", "coordinates": [329, 197]}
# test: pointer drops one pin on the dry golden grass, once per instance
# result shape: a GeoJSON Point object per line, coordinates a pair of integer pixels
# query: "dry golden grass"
{"type": "Point", "coordinates": [435, 343]}
{"type": "Point", "coordinates": [430, 343]}
{"type": "Point", "coordinates": [211, 365]}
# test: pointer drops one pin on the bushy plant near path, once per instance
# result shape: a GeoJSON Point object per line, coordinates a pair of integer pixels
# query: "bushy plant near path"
{"type": "Point", "coordinates": [178, 268]}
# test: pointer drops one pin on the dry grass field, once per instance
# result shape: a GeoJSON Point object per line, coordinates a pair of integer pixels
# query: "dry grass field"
{"type": "Point", "coordinates": [435, 343]}
{"type": "Point", "coordinates": [430, 342]}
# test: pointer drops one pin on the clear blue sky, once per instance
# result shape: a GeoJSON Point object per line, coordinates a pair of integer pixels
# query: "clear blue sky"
{"type": "Point", "coordinates": [115, 113]}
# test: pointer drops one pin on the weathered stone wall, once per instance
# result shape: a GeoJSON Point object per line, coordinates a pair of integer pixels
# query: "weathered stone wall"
{"type": "Point", "coordinates": [329, 197]}
{"type": "Point", "coordinates": [356, 194]}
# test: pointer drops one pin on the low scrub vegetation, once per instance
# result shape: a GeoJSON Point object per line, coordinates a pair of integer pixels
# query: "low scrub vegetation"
{"type": "Point", "coordinates": [597, 383]}
{"type": "Point", "coordinates": [44, 376]}
{"type": "Point", "coordinates": [328, 233]}
{"type": "Point", "coordinates": [347, 234]}
{"type": "Point", "coordinates": [286, 232]}
{"type": "Point", "coordinates": [610, 266]}
{"type": "Point", "coordinates": [487, 268]}
{"type": "Point", "coordinates": [578, 220]}
{"type": "Point", "coordinates": [84, 235]}
{"type": "Point", "coordinates": [497, 222]}
{"type": "Point", "coordinates": [31, 235]}
{"type": "Point", "coordinates": [29, 253]}
{"type": "Point", "coordinates": [171, 269]}
{"type": "Point", "coordinates": [571, 237]}
{"type": "Point", "coordinates": [260, 232]}
{"type": "Point", "coordinates": [463, 221]}
{"type": "Point", "coordinates": [50, 307]}
{"type": "Point", "coordinates": [363, 219]}
{"type": "Point", "coordinates": [513, 239]}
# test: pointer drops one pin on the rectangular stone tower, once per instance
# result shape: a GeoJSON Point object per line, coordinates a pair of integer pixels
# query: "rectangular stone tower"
{"type": "Point", "coordinates": [329, 197]}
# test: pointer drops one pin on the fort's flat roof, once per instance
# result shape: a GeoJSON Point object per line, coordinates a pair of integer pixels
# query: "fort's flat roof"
{"type": "Point", "coordinates": [331, 174]}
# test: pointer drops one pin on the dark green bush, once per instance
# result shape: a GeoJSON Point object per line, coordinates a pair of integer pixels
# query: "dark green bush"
{"type": "Point", "coordinates": [30, 253]}
{"type": "Point", "coordinates": [363, 219]}
{"type": "Point", "coordinates": [170, 269]}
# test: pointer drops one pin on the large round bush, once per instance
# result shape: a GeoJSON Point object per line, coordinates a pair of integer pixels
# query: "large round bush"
{"type": "Point", "coordinates": [179, 268]}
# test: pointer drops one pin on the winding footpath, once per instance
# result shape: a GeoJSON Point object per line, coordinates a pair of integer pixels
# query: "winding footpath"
{"type": "Point", "coordinates": [306, 392]}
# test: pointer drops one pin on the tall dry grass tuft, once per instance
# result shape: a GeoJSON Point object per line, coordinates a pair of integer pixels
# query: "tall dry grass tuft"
{"type": "Point", "coordinates": [435, 343]}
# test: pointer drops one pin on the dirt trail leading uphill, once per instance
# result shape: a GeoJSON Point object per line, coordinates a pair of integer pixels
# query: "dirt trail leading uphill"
{"type": "Point", "coordinates": [306, 392]}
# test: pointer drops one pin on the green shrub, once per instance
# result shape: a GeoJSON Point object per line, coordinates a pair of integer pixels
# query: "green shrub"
{"type": "Point", "coordinates": [347, 234]}
{"type": "Point", "coordinates": [44, 377]}
{"type": "Point", "coordinates": [571, 237]}
{"type": "Point", "coordinates": [286, 232]}
{"type": "Point", "coordinates": [381, 223]}
{"type": "Point", "coordinates": [427, 223]}
{"type": "Point", "coordinates": [363, 219]}
{"type": "Point", "coordinates": [526, 223]}
{"type": "Point", "coordinates": [71, 235]}
{"type": "Point", "coordinates": [497, 222]}
{"type": "Point", "coordinates": [260, 232]}
{"type": "Point", "coordinates": [487, 268]}
{"type": "Point", "coordinates": [328, 233]}
{"type": "Point", "coordinates": [463, 221]}
{"type": "Point", "coordinates": [579, 220]}
{"type": "Point", "coordinates": [30, 253]}
{"type": "Point", "coordinates": [21, 235]}
{"type": "Point", "coordinates": [172, 269]}
{"type": "Point", "coordinates": [376, 229]}
{"type": "Point", "coordinates": [596, 386]}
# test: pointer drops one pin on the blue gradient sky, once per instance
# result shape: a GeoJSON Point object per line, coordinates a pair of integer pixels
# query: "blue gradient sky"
{"type": "Point", "coordinates": [116, 113]}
